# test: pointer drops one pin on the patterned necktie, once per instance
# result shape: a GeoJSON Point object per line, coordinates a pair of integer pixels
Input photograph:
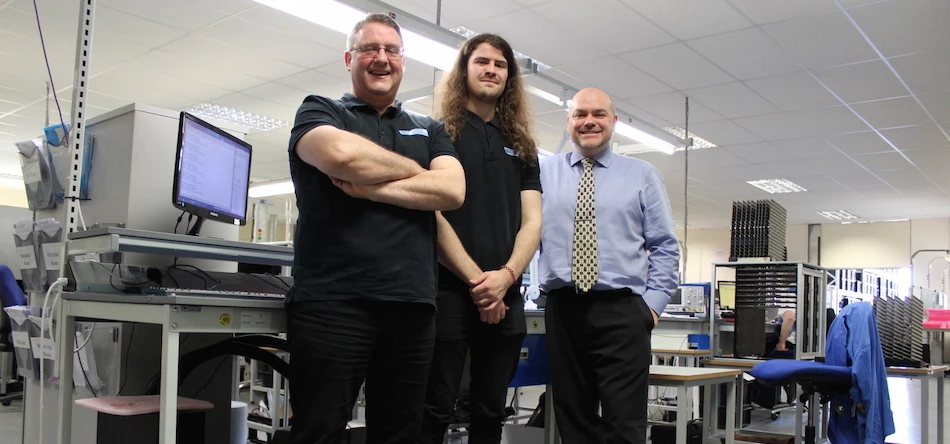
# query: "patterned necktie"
{"type": "Point", "coordinates": [584, 256]}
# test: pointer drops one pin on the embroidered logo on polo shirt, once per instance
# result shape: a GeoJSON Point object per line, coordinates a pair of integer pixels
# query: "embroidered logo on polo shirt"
{"type": "Point", "coordinates": [415, 132]}
{"type": "Point", "coordinates": [511, 152]}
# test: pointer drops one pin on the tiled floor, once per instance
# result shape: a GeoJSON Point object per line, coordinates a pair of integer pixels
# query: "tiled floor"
{"type": "Point", "coordinates": [905, 403]}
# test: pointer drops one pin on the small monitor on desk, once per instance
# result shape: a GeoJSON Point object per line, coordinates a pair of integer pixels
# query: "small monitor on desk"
{"type": "Point", "coordinates": [727, 295]}
{"type": "Point", "coordinates": [212, 173]}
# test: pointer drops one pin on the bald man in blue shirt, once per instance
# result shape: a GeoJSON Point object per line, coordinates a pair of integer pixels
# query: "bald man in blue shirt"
{"type": "Point", "coordinates": [609, 263]}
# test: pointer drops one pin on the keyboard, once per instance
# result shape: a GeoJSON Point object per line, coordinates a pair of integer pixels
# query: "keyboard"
{"type": "Point", "coordinates": [163, 291]}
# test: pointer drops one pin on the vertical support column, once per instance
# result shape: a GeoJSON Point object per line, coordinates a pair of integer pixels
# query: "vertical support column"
{"type": "Point", "coordinates": [77, 123]}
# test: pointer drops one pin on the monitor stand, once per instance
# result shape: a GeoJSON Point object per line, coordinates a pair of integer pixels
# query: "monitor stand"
{"type": "Point", "coordinates": [196, 228]}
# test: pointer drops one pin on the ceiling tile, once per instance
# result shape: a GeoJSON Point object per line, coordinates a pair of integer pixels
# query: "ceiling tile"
{"type": "Point", "coordinates": [712, 159]}
{"type": "Point", "coordinates": [732, 100]}
{"type": "Point", "coordinates": [749, 172]}
{"type": "Point", "coordinates": [880, 162]}
{"type": "Point", "coordinates": [468, 12]}
{"type": "Point", "coordinates": [805, 148]}
{"type": "Point", "coordinates": [230, 57]}
{"type": "Point", "coordinates": [795, 124]}
{"type": "Point", "coordinates": [924, 72]}
{"type": "Point", "coordinates": [762, 12]}
{"type": "Point", "coordinates": [268, 42]}
{"type": "Point", "coordinates": [790, 92]}
{"type": "Point", "coordinates": [755, 152]}
{"type": "Point", "coordinates": [745, 54]}
{"type": "Point", "coordinates": [671, 107]}
{"type": "Point", "coordinates": [136, 29]}
{"type": "Point", "coordinates": [724, 133]}
{"type": "Point", "coordinates": [603, 74]}
{"type": "Point", "coordinates": [621, 30]}
{"type": "Point", "coordinates": [892, 112]}
{"type": "Point", "coordinates": [821, 41]}
{"type": "Point", "coordinates": [862, 82]}
{"type": "Point", "coordinates": [898, 27]}
{"type": "Point", "coordinates": [522, 27]}
{"type": "Point", "coordinates": [938, 105]}
{"type": "Point", "coordinates": [687, 19]}
{"type": "Point", "coordinates": [919, 138]}
{"type": "Point", "coordinates": [861, 142]}
{"type": "Point", "coordinates": [178, 14]}
{"type": "Point", "coordinates": [678, 66]}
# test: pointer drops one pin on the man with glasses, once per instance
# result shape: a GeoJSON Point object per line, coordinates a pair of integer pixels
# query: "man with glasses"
{"type": "Point", "coordinates": [368, 177]}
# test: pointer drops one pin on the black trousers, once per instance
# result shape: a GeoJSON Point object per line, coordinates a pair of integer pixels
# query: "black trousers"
{"type": "Point", "coordinates": [335, 345]}
{"type": "Point", "coordinates": [494, 349]}
{"type": "Point", "coordinates": [599, 352]}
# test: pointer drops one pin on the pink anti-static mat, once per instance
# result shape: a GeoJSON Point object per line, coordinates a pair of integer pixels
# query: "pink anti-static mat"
{"type": "Point", "coordinates": [138, 405]}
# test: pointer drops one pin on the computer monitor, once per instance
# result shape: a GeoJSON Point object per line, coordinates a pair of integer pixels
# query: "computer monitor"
{"type": "Point", "coordinates": [727, 294]}
{"type": "Point", "coordinates": [212, 173]}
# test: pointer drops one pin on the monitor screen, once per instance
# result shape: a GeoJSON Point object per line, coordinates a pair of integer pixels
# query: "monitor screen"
{"type": "Point", "coordinates": [727, 294]}
{"type": "Point", "coordinates": [677, 297]}
{"type": "Point", "coordinates": [212, 172]}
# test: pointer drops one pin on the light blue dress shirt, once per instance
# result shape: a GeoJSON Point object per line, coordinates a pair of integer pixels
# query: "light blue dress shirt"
{"type": "Point", "coordinates": [636, 241]}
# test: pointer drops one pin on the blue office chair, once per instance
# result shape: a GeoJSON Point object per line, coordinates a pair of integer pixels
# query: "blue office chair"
{"type": "Point", "coordinates": [852, 377]}
{"type": "Point", "coordinates": [10, 295]}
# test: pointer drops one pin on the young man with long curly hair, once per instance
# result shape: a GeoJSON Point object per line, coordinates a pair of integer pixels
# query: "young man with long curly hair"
{"type": "Point", "coordinates": [485, 245]}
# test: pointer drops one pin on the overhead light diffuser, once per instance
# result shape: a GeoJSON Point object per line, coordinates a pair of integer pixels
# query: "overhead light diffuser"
{"type": "Point", "coordinates": [232, 115]}
{"type": "Point", "coordinates": [698, 142]}
{"type": "Point", "coordinates": [542, 94]}
{"type": "Point", "coordinates": [777, 186]}
{"type": "Point", "coordinates": [271, 188]}
{"type": "Point", "coordinates": [838, 215]}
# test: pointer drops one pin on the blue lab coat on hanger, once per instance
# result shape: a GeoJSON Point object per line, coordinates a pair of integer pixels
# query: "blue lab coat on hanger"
{"type": "Point", "coordinates": [853, 341]}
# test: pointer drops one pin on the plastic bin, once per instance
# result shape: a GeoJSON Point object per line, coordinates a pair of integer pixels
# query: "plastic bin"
{"type": "Point", "coordinates": [20, 331]}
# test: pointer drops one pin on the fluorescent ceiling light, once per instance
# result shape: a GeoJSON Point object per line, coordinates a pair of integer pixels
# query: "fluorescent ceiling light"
{"type": "Point", "coordinates": [838, 215]}
{"type": "Point", "coordinates": [698, 142]}
{"type": "Point", "coordinates": [271, 188]}
{"type": "Point", "coordinates": [232, 115]}
{"type": "Point", "coordinates": [644, 138]}
{"type": "Point", "coordinates": [341, 18]}
{"type": "Point", "coordinates": [542, 94]}
{"type": "Point", "coordinates": [776, 186]}
{"type": "Point", "coordinates": [327, 13]}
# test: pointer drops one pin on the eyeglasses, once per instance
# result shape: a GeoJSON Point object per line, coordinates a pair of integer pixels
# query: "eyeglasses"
{"type": "Point", "coordinates": [371, 49]}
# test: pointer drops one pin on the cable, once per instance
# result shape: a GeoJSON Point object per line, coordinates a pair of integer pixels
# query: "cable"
{"type": "Point", "coordinates": [216, 281]}
{"type": "Point", "coordinates": [211, 378]}
{"type": "Point", "coordinates": [125, 367]}
{"type": "Point", "coordinates": [81, 367]}
{"type": "Point", "coordinates": [49, 71]}
{"type": "Point", "coordinates": [283, 287]}
{"type": "Point", "coordinates": [180, 217]}
{"type": "Point", "coordinates": [85, 341]}
{"type": "Point", "coordinates": [176, 267]}
{"type": "Point", "coordinates": [43, 312]}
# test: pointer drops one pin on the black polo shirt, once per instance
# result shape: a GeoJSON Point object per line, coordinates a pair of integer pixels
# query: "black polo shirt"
{"type": "Point", "coordinates": [347, 248]}
{"type": "Point", "coordinates": [490, 218]}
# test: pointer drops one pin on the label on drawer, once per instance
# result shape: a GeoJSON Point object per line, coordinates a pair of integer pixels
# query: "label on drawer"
{"type": "Point", "coordinates": [43, 348]}
{"type": "Point", "coordinates": [21, 339]}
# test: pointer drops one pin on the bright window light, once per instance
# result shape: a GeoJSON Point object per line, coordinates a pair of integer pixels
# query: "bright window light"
{"type": "Point", "coordinates": [341, 18]}
{"type": "Point", "coordinates": [644, 138]}
{"type": "Point", "coordinates": [271, 188]}
{"type": "Point", "coordinates": [776, 186]}
{"type": "Point", "coordinates": [838, 215]}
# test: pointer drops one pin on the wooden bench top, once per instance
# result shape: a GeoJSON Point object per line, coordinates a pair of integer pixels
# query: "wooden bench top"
{"type": "Point", "coordinates": [668, 373]}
